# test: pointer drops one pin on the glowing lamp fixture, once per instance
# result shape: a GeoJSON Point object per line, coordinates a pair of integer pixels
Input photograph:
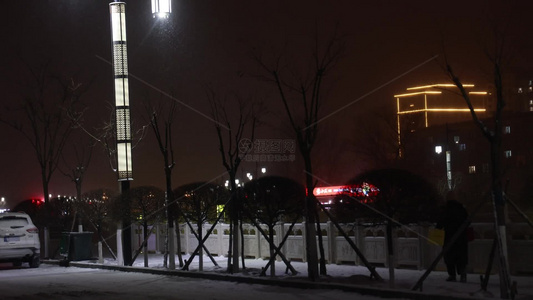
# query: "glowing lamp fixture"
{"type": "Point", "coordinates": [122, 101]}
{"type": "Point", "coordinates": [161, 8]}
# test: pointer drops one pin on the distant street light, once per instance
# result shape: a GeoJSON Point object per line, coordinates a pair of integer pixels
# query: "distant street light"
{"type": "Point", "coordinates": [3, 205]}
{"type": "Point", "coordinates": [161, 8]}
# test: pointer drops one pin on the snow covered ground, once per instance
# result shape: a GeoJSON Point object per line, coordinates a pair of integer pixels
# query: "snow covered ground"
{"type": "Point", "coordinates": [55, 282]}
{"type": "Point", "coordinates": [349, 274]}
{"type": "Point", "coordinates": [60, 283]}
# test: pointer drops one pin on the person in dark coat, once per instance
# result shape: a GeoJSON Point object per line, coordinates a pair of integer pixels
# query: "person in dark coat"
{"type": "Point", "coordinates": [452, 219]}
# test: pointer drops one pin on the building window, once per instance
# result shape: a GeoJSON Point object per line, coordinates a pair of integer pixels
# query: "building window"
{"type": "Point", "coordinates": [462, 147]}
{"type": "Point", "coordinates": [471, 169]}
{"type": "Point", "coordinates": [530, 102]}
{"type": "Point", "coordinates": [507, 129]}
{"type": "Point", "coordinates": [519, 90]}
{"type": "Point", "coordinates": [456, 139]}
{"type": "Point", "coordinates": [507, 153]}
{"type": "Point", "coordinates": [438, 149]}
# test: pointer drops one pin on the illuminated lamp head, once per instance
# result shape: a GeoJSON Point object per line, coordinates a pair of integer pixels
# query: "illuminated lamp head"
{"type": "Point", "coordinates": [161, 8]}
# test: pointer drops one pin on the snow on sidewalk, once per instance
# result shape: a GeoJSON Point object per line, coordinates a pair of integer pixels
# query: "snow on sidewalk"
{"type": "Point", "coordinates": [405, 279]}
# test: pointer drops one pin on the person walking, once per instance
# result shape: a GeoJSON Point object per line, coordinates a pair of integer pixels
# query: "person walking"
{"type": "Point", "coordinates": [456, 259]}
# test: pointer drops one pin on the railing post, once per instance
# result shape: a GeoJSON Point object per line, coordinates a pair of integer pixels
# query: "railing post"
{"type": "Point", "coordinates": [100, 253]}
{"type": "Point", "coordinates": [187, 239]}
{"type": "Point", "coordinates": [257, 243]}
{"type": "Point", "coordinates": [304, 241]}
{"type": "Point", "coordinates": [220, 238]}
{"type": "Point", "coordinates": [360, 241]}
{"type": "Point", "coordinates": [280, 233]}
{"type": "Point", "coordinates": [332, 242]}
{"type": "Point", "coordinates": [120, 255]}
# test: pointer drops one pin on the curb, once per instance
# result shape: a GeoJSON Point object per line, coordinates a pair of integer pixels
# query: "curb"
{"type": "Point", "coordinates": [301, 284]}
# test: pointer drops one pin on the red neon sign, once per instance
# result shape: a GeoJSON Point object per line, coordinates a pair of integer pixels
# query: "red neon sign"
{"type": "Point", "coordinates": [355, 190]}
{"type": "Point", "coordinates": [329, 190]}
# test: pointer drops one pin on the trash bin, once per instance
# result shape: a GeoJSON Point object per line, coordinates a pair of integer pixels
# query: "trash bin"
{"type": "Point", "coordinates": [76, 246]}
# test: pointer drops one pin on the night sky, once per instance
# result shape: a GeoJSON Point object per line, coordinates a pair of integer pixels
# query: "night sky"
{"type": "Point", "coordinates": [210, 42]}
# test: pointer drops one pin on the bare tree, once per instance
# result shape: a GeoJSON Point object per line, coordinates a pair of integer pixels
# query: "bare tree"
{"type": "Point", "coordinates": [82, 157]}
{"type": "Point", "coordinates": [493, 134]}
{"type": "Point", "coordinates": [94, 207]}
{"type": "Point", "coordinates": [301, 92]}
{"type": "Point", "coordinates": [198, 203]}
{"type": "Point", "coordinates": [146, 204]}
{"type": "Point", "coordinates": [270, 200]}
{"type": "Point", "coordinates": [163, 133]}
{"type": "Point", "coordinates": [42, 116]}
{"type": "Point", "coordinates": [235, 131]}
{"type": "Point", "coordinates": [402, 198]}
{"type": "Point", "coordinates": [375, 140]}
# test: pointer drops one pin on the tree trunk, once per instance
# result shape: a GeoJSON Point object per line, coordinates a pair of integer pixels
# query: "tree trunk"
{"type": "Point", "coordinates": [499, 214]}
{"type": "Point", "coordinates": [45, 188]}
{"type": "Point", "coordinates": [235, 256]}
{"type": "Point", "coordinates": [165, 255]}
{"type": "Point", "coordinates": [272, 251]}
{"type": "Point", "coordinates": [201, 251]}
{"type": "Point", "coordinates": [230, 246]}
{"type": "Point", "coordinates": [178, 241]}
{"type": "Point", "coordinates": [310, 229]}
{"type": "Point", "coordinates": [145, 243]}
{"type": "Point", "coordinates": [234, 216]}
{"type": "Point", "coordinates": [242, 246]}
{"type": "Point", "coordinates": [323, 269]}
{"type": "Point", "coordinates": [170, 216]}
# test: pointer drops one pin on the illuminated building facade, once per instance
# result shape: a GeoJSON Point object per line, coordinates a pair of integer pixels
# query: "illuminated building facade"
{"type": "Point", "coordinates": [524, 98]}
{"type": "Point", "coordinates": [435, 104]}
{"type": "Point", "coordinates": [440, 141]}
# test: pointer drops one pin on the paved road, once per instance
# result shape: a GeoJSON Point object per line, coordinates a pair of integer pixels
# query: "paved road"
{"type": "Point", "coordinates": [55, 282]}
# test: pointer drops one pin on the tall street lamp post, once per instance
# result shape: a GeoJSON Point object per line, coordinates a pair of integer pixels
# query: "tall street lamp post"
{"type": "Point", "coordinates": [117, 10]}
{"type": "Point", "coordinates": [161, 9]}
{"type": "Point", "coordinates": [122, 116]}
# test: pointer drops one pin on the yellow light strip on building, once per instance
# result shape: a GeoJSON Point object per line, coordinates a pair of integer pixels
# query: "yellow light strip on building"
{"type": "Point", "coordinates": [455, 109]}
{"type": "Point", "coordinates": [478, 93]}
{"type": "Point", "coordinates": [438, 85]}
{"type": "Point", "coordinates": [418, 93]}
{"type": "Point", "coordinates": [441, 110]}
